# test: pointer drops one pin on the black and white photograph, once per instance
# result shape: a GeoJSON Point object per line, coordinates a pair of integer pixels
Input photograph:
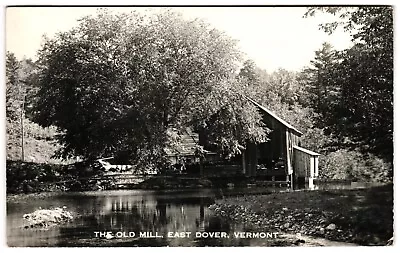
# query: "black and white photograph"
{"type": "Point", "coordinates": [199, 126]}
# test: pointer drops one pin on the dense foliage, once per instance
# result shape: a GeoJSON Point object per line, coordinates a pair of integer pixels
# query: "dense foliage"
{"type": "Point", "coordinates": [355, 165]}
{"type": "Point", "coordinates": [359, 99]}
{"type": "Point", "coordinates": [343, 102]}
{"type": "Point", "coordinates": [26, 140]}
{"type": "Point", "coordinates": [13, 97]}
{"type": "Point", "coordinates": [116, 83]}
{"type": "Point", "coordinates": [26, 177]}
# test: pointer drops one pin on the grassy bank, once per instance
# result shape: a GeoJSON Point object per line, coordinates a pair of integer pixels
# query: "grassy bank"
{"type": "Point", "coordinates": [362, 216]}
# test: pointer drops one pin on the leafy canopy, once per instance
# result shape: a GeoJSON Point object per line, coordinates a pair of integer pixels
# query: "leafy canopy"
{"type": "Point", "coordinates": [116, 83]}
{"type": "Point", "coordinates": [363, 76]}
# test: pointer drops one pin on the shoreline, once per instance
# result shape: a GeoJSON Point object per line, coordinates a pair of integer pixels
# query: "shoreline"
{"type": "Point", "coordinates": [361, 216]}
{"type": "Point", "coordinates": [302, 218]}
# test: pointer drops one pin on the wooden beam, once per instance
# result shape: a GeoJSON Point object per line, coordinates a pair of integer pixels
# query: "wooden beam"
{"type": "Point", "coordinates": [244, 162]}
{"type": "Point", "coordinates": [288, 156]}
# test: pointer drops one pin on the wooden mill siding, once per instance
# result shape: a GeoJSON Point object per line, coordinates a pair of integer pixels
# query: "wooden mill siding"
{"type": "Point", "coordinates": [292, 139]}
{"type": "Point", "coordinates": [281, 158]}
{"type": "Point", "coordinates": [305, 165]}
{"type": "Point", "coordinates": [284, 144]}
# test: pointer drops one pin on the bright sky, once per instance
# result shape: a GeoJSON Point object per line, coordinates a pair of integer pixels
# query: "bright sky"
{"type": "Point", "coordinates": [274, 37]}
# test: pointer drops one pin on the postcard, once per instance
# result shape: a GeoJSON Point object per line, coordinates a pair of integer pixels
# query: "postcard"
{"type": "Point", "coordinates": [195, 126]}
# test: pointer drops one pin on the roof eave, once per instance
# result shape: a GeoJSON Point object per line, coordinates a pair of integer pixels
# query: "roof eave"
{"type": "Point", "coordinates": [312, 153]}
{"type": "Point", "coordinates": [286, 124]}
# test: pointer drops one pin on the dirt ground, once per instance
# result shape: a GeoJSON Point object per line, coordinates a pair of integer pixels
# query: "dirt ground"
{"type": "Point", "coordinates": [360, 216]}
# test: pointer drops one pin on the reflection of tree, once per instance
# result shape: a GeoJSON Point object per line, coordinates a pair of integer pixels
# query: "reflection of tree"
{"type": "Point", "coordinates": [161, 213]}
{"type": "Point", "coordinates": [200, 224]}
{"type": "Point", "coordinates": [146, 213]}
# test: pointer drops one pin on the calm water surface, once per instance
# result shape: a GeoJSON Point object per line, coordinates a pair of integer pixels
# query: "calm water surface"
{"type": "Point", "coordinates": [129, 211]}
{"type": "Point", "coordinates": [123, 211]}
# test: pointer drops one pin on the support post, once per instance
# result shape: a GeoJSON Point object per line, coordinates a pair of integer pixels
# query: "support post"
{"type": "Point", "coordinates": [290, 180]}
{"type": "Point", "coordinates": [310, 183]}
{"type": "Point", "coordinates": [244, 162]}
{"type": "Point", "coordinates": [201, 167]}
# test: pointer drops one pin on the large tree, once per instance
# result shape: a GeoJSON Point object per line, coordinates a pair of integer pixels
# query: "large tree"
{"type": "Point", "coordinates": [13, 107]}
{"type": "Point", "coordinates": [321, 87]}
{"type": "Point", "coordinates": [364, 76]}
{"type": "Point", "coordinates": [13, 89]}
{"type": "Point", "coordinates": [116, 83]}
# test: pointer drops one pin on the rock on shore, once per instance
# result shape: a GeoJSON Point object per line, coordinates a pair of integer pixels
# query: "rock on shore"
{"type": "Point", "coordinates": [314, 223]}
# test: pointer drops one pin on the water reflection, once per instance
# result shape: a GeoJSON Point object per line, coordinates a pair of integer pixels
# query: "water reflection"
{"type": "Point", "coordinates": [130, 211]}
{"type": "Point", "coordinates": [119, 211]}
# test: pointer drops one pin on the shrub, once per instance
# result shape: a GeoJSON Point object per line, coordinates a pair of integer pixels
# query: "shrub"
{"type": "Point", "coordinates": [37, 177]}
{"type": "Point", "coordinates": [354, 165]}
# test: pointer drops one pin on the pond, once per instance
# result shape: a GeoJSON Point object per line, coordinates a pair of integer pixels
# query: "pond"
{"type": "Point", "coordinates": [132, 217]}
{"type": "Point", "coordinates": [138, 218]}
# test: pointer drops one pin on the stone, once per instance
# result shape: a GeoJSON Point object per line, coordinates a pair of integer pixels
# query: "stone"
{"type": "Point", "coordinates": [322, 220]}
{"type": "Point", "coordinates": [47, 217]}
{"type": "Point", "coordinates": [376, 240]}
{"type": "Point", "coordinates": [299, 241]}
{"type": "Point", "coordinates": [286, 225]}
{"type": "Point", "coordinates": [331, 226]}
